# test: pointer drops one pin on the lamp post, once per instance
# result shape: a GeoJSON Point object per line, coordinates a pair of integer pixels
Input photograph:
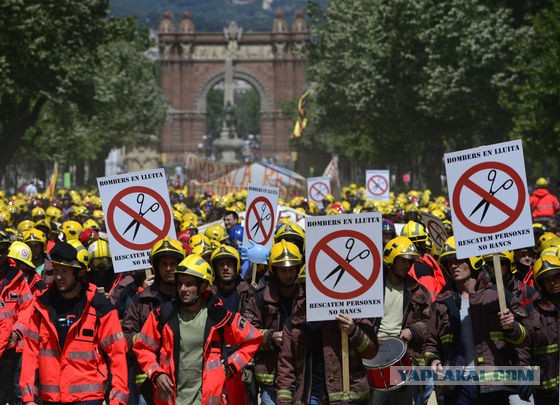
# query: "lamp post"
{"type": "Point", "coordinates": [206, 147]}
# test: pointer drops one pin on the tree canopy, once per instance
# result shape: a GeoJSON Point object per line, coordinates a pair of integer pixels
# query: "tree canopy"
{"type": "Point", "coordinates": [399, 83]}
{"type": "Point", "coordinates": [73, 82]}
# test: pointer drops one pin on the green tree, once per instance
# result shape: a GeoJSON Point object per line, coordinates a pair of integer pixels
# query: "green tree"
{"type": "Point", "coordinates": [398, 83]}
{"type": "Point", "coordinates": [112, 101]}
{"type": "Point", "coordinates": [47, 51]}
{"type": "Point", "coordinates": [535, 100]}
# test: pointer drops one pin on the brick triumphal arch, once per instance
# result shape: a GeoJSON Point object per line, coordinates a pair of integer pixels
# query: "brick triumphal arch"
{"type": "Point", "coordinates": [192, 63]}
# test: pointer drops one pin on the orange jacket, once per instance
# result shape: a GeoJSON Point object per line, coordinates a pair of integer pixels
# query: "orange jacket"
{"type": "Point", "coordinates": [156, 351]}
{"type": "Point", "coordinates": [427, 272]}
{"type": "Point", "coordinates": [543, 203]}
{"type": "Point", "coordinates": [78, 371]}
{"type": "Point", "coordinates": [15, 305]}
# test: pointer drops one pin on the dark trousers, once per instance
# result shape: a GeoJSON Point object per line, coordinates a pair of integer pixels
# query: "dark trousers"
{"type": "Point", "coordinates": [7, 370]}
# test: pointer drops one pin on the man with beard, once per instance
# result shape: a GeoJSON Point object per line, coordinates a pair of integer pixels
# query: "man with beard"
{"type": "Point", "coordinates": [467, 329]}
{"type": "Point", "coordinates": [73, 339]}
{"type": "Point", "coordinates": [166, 254]}
{"type": "Point", "coordinates": [182, 345]}
{"type": "Point", "coordinates": [268, 311]}
{"type": "Point", "coordinates": [234, 293]}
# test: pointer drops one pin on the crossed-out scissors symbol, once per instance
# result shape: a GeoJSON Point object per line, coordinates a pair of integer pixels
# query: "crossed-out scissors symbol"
{"type": "Point", "coordinates": [263, 217]}
{"type": "Point", "coordinates": [506, 185]}
{"type": "Point", "coordinates": [140, 200]}
{"type": "Point", "coordinates": [338, 269]}
{"type": "Point", "coordinates": [439, 234]}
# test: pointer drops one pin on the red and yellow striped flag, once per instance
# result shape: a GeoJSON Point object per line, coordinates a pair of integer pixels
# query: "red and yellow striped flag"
{"type": "Point", "coordinates": [301, 121]}
{"type": "Point", "coordinates": [49, 192]}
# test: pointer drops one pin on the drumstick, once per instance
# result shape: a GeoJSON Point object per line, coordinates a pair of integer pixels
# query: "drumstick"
{"type": "Point", "coordinates": [499, 281]}
{"type": "Point", "coordinates": [254, 276]}
{"type": "Point", "coordinates": [345, 362]}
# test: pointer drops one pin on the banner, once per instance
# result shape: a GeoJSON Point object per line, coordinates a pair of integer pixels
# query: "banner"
{"type": "Point", "coordinates": [221, 178]}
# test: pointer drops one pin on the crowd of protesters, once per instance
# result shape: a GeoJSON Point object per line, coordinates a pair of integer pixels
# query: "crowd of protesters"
{"type": "Point", "coordinates": [198, 326]}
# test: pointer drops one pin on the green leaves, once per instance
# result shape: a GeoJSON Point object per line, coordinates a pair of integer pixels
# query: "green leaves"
{"type": "Point", "coordinates": [398, 80]}
{"type": "Point", "coordinates": [74, 84]}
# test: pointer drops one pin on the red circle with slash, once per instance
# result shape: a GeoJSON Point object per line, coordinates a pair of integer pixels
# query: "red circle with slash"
{"type": "Point", "coordinates": [321, 190]}
{"type": "Point", "coordinates": [465, 182]}
{"type": "Point", "coordinates": [434, 228]}
{"type": "Point", "coordinates": [323, 246]}
{"type": "Point", "coordinates": [381, 184]}
{"type": "Point", "coordinates": [266, 233]}
{"type": "Point", "coordinates": [117, 202]}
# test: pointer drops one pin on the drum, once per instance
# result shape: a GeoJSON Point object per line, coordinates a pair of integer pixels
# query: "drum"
{"type": "Point", "coordinates": [392, 352]}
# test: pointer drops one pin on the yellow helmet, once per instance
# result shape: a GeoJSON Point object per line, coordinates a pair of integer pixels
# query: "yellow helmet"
{"type": "Point", "coordinates": [449, 250]}
{"type": "Point", "coordinates": [226, 252]}
{"type": "Point", "coordinates": [79, 211]}
{"type": "Point", "coordinates": [291, 232]}
{"type": "Point", "coordinates": [97, 215]}
{"type": "Point", "coordinates": [400, 246]}
{"type": "Point", "coordinates": [196, 266]}
{"type": "Point", "coordinates": [34, 236]}
{"type": "Point", "coordinates": [72, 229]}
{"type": "Point", "coordinates": [551, 251]}
{"type": "Point", "coordinates": [284, 254]}
{"type": "Point", "coordinates": [187, 225]}
{"type": "Point", "coordinates": [99, 254]}
{"type": "Point", "coordinates": [198, 239]}
{"type": "Point", "coordinates": [414, 231]}
{"type": "Point", "coordinates": [25, 225]}
{"type": "Point", "coordinates": [191, 217]}
{"type": "Point", "coordinates": [91, 224]}
{"type": "Point", "coordinates": [5, 218]}
{"type": "Point", "coordinates": [542, 182]}
{"type": "Point", "coordinates": [167, 247]}
{"type": "Point", "coordinates": [20, 252]}
{"type": "Point", "coordinates": [81, 252]}
{"type": "Point", "coordinates": [37, 213]}
{"type": "Point", "coordinates": [506, 257]}
{"type": "Point", "coordinates": [53, 213]}
{"type": "Point", "coordinates": [216, 232]}
{"type": "Point", "coordinates": [544, 266]}
{"type": "Point", "coordinates": [553, 241]}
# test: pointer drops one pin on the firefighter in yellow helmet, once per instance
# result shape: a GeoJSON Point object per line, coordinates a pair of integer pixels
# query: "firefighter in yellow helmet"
{"type": "Point", "coordinates": [22, 254]}
{"type": "Point", "coordinates": [524, 293]}
{"type": "Point", "coordinates": [468, 328]}
{"type": "Point", "coordinates": [165, 256]}
{"type": "Point", "coordinates": [234, 293]}
{"type": "Point", "coordinates": [543, 203]}
{"type": "Point", "coordinates": [268, 310]}
{"type": "Point", "coordinates": [37, 241]}
{"type": "Point", "coordinates": [425, 268]}
{"type": "Point", "coordinates": [101, 271]}
{"type": "Point", "coordinates": [544, 324]}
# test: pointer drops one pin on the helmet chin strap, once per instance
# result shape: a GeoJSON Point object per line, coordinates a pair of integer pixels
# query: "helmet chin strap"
{"type": "Point", "coordinates": [77, 280]}
{"type": "Point", "coordinates": [193, 301]}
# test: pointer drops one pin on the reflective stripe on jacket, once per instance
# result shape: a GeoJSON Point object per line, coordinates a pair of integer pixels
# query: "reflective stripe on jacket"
{"type": "Point", "coordinates": [15, 306]}
{"type": "Point", "coordinates": [157, 348]}
{"type": "Point", "coordinates": [78, 371]}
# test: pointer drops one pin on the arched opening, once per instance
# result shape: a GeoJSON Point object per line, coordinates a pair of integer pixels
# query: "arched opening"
{"type": "Point", "coordinates": [247, 104]}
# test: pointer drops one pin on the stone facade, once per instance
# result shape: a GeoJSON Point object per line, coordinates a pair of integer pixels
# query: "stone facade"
{"type": "Point", "coordinates": [192, 63]}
